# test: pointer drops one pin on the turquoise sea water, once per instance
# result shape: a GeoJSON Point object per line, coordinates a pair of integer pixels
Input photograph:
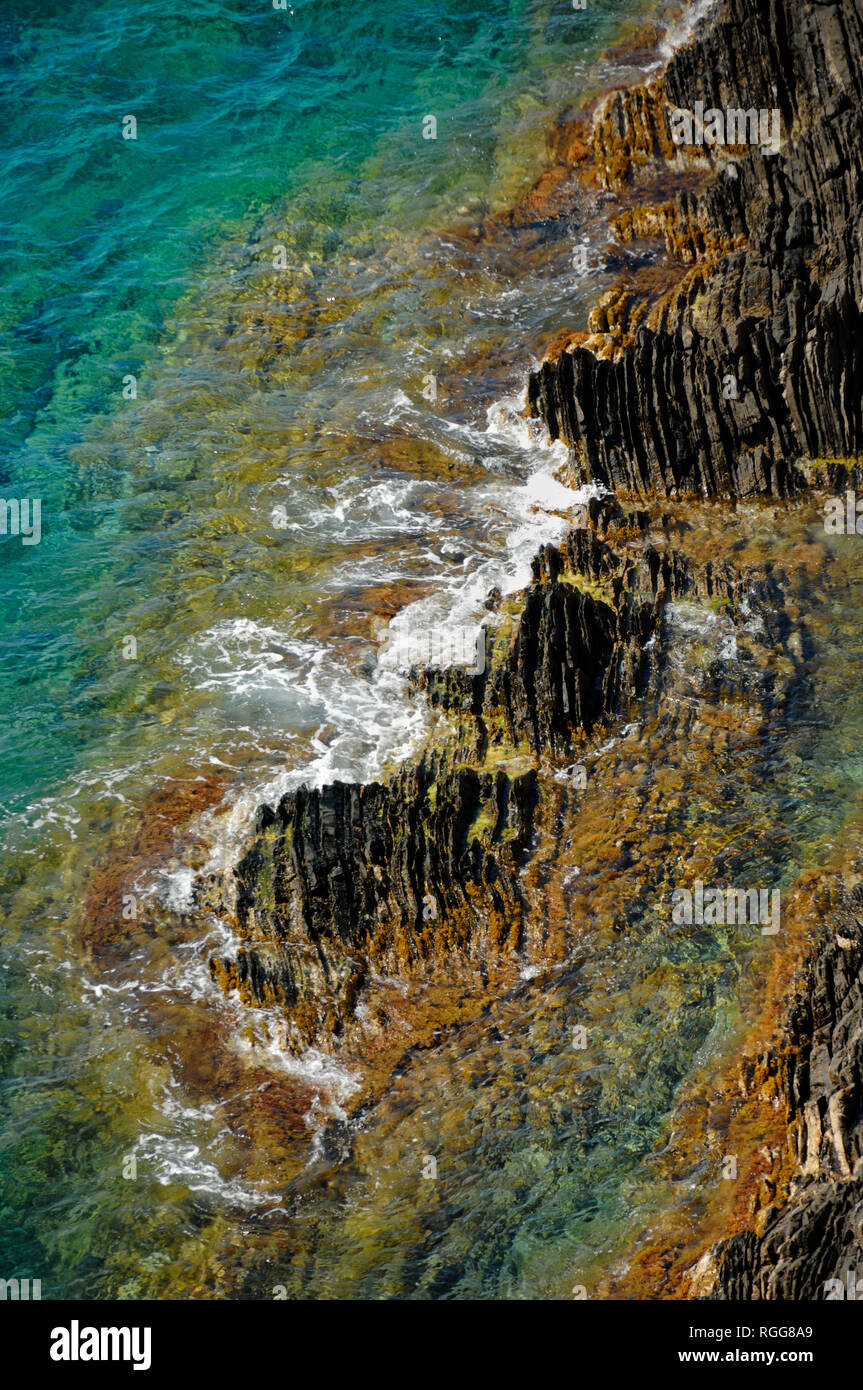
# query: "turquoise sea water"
{"type": "Point", "coordinates": [124, 257]}
{"type": "Point", "coordinates": [279, 486]}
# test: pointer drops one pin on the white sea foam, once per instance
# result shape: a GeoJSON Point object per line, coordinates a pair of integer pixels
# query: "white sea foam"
{"type": "Point", "coordinates": [178, 889]}
{"type": "Point", "coordinates": [375, 510]}
{"type": "Point", "coordinates": [264, 1037]}
{"type": "Point", "coordinates": [679, 33]}
{"type": "Point", "coordinates": [176, 1160]}
{"type": "Point", "coordinates": [311, 1068]}
{"type": "Point", "coordinates": [370, 717]}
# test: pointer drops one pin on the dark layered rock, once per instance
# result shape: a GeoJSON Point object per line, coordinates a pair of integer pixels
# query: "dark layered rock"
{"type": "Point", "coordinates": [816, 1235]}
{"type": "Point", "coordinates": [573, 660]}
{"type": "Point", "coordinates": [350, 882]}
{"type": "Point", "coordinates": [740, 377]}
{"type": "Point", "coordinates": [773, 299]}
{"type": "Point", "coordinates": [420, 877]}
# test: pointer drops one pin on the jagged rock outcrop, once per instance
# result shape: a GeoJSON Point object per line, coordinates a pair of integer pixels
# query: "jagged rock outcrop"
{"type": "Point", "coordinates": [349, 882]}
{"type": "Point", "coordinates": [348, 887]}
{"type": "Point", "coordinates": [816, 1235]}
{"type": "Point", "coordinates": [753, 361]}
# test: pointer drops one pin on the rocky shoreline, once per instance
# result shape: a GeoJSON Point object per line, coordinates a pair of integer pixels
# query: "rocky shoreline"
{"type": "Point", "coordinates": [375, 917]}
{"type": "Point", "coordinates": [750, 363]}
{"type": "Point", "coordinates": [769, 301]}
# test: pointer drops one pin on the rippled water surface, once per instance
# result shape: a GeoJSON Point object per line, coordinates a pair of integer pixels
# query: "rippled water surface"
{"type": "Point", "coordinates": [329, 333]}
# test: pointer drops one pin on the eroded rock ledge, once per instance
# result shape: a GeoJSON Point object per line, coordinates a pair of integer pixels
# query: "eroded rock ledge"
{"type": "Point", "coordinates": [769, 253]}
{"type": "Point", "coordinates": [350, 887]}
{"type": "Point", "coordinates": [373, 916]}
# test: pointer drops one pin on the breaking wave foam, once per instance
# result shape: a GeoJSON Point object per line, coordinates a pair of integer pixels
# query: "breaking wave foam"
{"type": "Point", "coordinates": [368, 719]}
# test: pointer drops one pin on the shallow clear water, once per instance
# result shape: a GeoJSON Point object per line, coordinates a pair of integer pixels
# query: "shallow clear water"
{"type": "Point", "coordinates": [256, 389]}
{"type": "Point", "coordinates": [279, 488]}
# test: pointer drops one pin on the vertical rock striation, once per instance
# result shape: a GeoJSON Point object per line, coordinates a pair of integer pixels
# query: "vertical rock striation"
{"type": "Point", "coordinates": [754, 359]}
{"type": "Point", "coordinates": [815, 1235]}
